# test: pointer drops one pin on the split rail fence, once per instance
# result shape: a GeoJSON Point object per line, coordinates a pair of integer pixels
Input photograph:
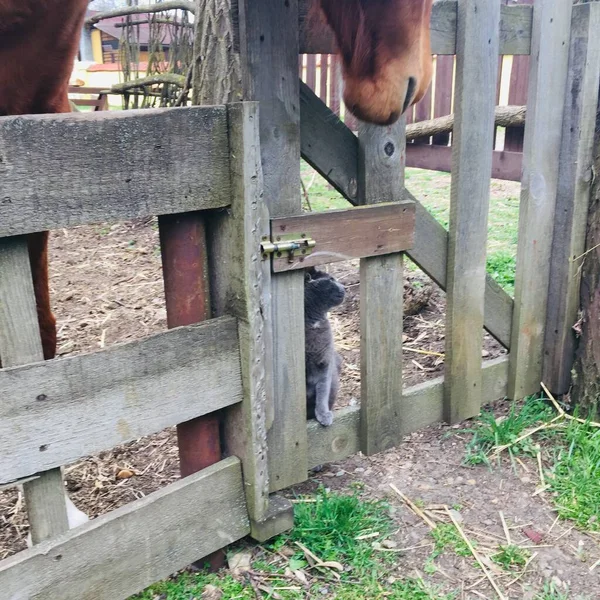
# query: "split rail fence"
{"type": "Point", "coordinates": [248, 361]}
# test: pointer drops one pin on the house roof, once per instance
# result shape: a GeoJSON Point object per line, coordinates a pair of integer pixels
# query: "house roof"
{"type": "Point", "coordinates": [111, 27]}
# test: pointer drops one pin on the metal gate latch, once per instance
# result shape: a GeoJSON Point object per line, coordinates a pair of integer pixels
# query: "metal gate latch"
{"type": "Point", "coordinates": [293, 244]}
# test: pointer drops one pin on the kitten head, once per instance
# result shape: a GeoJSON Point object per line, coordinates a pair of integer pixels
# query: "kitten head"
{"type": "Point", "coordinates": [321, 291]}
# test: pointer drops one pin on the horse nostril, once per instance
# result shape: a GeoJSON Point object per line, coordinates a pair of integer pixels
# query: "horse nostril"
{"type": "Point", "coordinates": [410, 92]}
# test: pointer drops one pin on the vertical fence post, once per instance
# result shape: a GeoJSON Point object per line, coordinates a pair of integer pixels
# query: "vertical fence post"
{"type": "Point", "coordinates": [477, 47]}
{"type": "Point", "coordinates": [574, 183]}
{"type": "Point", "coordinates": [240, 285]}
{"type": "Point", "coordinates": [517, 95]}
{"type": "Point", "coordinates": [20, 343]}
{"type": "Point", "coordinates": [269, 51]}
{"type": "Point", "coordinates": [381, 179]}
{"type": "Point", "coordinates": [543, 129]}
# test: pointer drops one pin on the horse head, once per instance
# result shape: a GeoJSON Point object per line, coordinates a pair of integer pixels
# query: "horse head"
{"type": "Point", "coordinates": [386, 54]}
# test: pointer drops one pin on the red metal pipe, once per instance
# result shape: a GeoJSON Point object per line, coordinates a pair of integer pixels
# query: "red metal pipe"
{"type": "Point", "coordinates": [185, 274]}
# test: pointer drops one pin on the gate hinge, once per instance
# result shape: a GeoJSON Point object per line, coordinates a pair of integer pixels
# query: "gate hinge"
{"type": "Point", "coordinates": [294, 246]}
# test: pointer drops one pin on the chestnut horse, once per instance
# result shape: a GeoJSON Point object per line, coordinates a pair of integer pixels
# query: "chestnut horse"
{"type": "Point", "coordinates": [386, 54]}
{"type": "Point", "coordinates": [38, 44]}
{"type": "Point", "coordinates": [384, 45]}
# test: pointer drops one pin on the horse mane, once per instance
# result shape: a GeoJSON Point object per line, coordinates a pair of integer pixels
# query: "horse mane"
{"type": "Point", "coordinates": [355, 40]}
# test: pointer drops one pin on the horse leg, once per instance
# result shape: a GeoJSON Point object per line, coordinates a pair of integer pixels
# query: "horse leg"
{"type": "Point", "coordinates": [38, 258]}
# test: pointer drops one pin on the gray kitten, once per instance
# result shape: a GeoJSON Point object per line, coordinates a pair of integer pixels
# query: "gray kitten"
{"type": "Point", "coordinates": [323, 364]}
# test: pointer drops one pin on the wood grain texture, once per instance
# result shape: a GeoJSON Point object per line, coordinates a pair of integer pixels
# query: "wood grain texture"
{"type": "Point", "coordinates": [269, 54]}
{"type": "Point", "coordinates": [515, 29]}
{"type": "Point", "coordinates": [381, 179]}
{"type": "Point", "coordinates": [57, 411]}
{"type": "Point", "coordinates": [573, 196]}
{"type": "Point", "coordinates": [472, 143]}
{"type": "Point", "coordinates": [121, 553]}
{"type": "Point", "coordinates": [346, 234]}
{"type": "Point", "coordinates": [71, 169]}
{"type": "Point", "coordinates": [20, 343]}
{"type": "Point", "coordinates": [422, 405]}
{"type": "Point", "coordinates": [217, 77]}
{"type": "Point", "coordinates": [46, 505]}
{"type": "Point", "coordinates": [240, 286]}
{"type": "Point", "coordinates": [541, 154]}
{"type": "Point", "coordinates": [317, 123]}
{"type": "Point", "coordinates": [20, 340]}
{"type": "Point", "coordinates": [332, 143]}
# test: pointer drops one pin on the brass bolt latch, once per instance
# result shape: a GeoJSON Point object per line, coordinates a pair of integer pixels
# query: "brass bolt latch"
{"type": "Point", "coordinates": [293, 245]}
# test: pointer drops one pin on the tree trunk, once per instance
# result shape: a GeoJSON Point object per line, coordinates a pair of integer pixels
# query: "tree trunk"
{"type": "Point", "coordinates": [505, 116]}
{"type": "Point", "coordinates": [586, 371]}
{"type": "Point", "coordinates": [217, 77]}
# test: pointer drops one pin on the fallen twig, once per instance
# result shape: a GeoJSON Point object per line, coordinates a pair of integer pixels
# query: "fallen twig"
{"type": "Point", "coordinates": [562, 412]}
{"type": "Point", "coordinates": [529, 433]}
{"type": "Point", "coordinates": [476, 556]}
{"type": "Point", "coordinates": [505, 527]}
{"type": "Point", "coordinates": [414, 507]}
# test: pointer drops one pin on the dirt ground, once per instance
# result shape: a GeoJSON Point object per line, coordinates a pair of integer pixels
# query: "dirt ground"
{"type": "Point", "coordinates": [107, 288]}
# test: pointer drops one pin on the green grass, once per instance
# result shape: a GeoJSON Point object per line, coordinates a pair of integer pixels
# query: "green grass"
{"type": "Point", "coordinates": [575, 475]}
{"type": "Point", "coordinates": [447, 537]}
{"type": "Point", "coordinates": [511, 556]}
{"type": "Point", "coordinates": [573, 455]}
{"type": "Point", "coordinates": [549, 592]}
{"type": "Point", "coordinates": [328, 528]}
{"type": "Point", "coordinates": [491, 432]}
{"type": "Point", "coordinates": [433, 190]}
{"type": "Point", "coordinates": [501, 266]}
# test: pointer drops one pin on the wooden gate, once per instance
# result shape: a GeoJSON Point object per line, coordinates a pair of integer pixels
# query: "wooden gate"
{"type": "Point", "coordinates": [250, 361]}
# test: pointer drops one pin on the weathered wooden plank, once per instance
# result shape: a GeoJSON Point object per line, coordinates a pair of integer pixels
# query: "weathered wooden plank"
{"type": "Point", "coordinates": [517, 94]}
{"type": "Point", "coordinates": [240, 286]}
{"type": "Point", "coordinates": [348, 233]}
{"type": "Point", "coordinates": [381, 179]}
{"type": "Point", "coordinates": [573, 195]}
{"type": "Point", "coordinates": [20, 342]}
{"type": "Point", "coordinates": [332, 149]}
{"type": "Point", "coordinates": [317, 124]}
{"type": "Point", "coordinates": [121, 553]}
{"type": "Point", "coordinates": [57, 411]}
{"type": "Point", "coordinates": [422, 405]}
{"type": "Point", "coordinates": [442, 104]}
{"type": "Point", "coordinates": [45, 501]}
{"type": "Point", "coordinates": [70, 169]}
{"type": "Point", "coordinates": [541, 153]}
{"type": "Point", "coordinates": [472, 140]}
{"type": "Point", "coordinates": [505, 165]}
{"type": "Point", "coordinates": [515, 29]}
{"type": "Point", "coordinates": [269, 56]}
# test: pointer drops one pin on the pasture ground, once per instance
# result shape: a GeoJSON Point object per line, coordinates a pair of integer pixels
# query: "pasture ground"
{"type": "Point", "coordinates": [107, 289]}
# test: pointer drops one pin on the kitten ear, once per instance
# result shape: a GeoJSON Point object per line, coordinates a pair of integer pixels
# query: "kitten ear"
{"type": "Point", "coordinates": [310, 273]}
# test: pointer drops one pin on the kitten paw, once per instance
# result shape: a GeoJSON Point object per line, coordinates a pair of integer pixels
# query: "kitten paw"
{"type": "Point", "coordinates": [325, 418]}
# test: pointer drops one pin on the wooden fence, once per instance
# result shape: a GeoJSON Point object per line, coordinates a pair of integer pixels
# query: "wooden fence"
{"type": "Point", "coordinates": [98, 99]}
{"type": "Point", "coordinates": [249, 361]}
{"type": "Point", "coordinates": [321, 73]}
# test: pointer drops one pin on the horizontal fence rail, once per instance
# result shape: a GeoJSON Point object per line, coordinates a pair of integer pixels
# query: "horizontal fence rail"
{"type": "Point", "coordinates": [55, 412]}
{"type": "Point", "coordinates": [348, 233]}
{"type": "Point", "coordinates": [121, 553]}
{"type": "Point", "coordinates": [422, 406]}
{"type": "Point", "coordinates": [72, 169]}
